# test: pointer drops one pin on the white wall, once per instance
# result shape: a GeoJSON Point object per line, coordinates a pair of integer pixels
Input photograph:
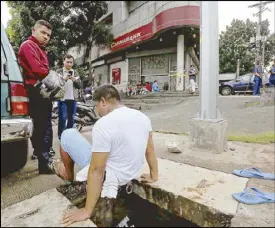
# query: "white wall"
{"type": "Point", "coordinates": [123, 65]}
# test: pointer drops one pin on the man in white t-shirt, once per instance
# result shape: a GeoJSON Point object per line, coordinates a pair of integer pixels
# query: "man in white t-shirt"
{"type": "Point", "coordinates": [117, 153]}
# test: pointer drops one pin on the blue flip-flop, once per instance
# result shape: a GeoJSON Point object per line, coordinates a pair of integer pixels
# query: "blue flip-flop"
{"type": "Point", "coordinates": [255, 173]}
{"type": "Point", "coordinates": [254, 196]}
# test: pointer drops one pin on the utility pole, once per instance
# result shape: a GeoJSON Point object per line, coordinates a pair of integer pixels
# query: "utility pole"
{"type": "Point", "coordinates": [208, 131]}
{"type": "Point", "coordinates": [262, 8]}
{"type": "Point", "coordinates": [238, 69]}
{"type": "Point", "coordinates": [263, 50]}
{"type": "Point", "coordinates": [209, 60]}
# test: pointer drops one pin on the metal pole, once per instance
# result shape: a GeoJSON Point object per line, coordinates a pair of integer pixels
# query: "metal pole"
{"type": "Point", "coordinates": [263, 51]}
{"type": "Point", "coordinates": [258, 36]}
{"type": "Point", "coordinates": [209, 59]}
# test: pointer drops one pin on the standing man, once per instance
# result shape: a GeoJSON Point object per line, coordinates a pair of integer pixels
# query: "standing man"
{"type": "Point", "coordinates": [272, 74]}
{"type": "Point", "coordinates": [33, 60]}
{"type": "Point", "coordinates": [67, 106]}
{"type": "Point", "coordinates": [258, 79]}
{"type": "Point", "coordinates": [192, 78]}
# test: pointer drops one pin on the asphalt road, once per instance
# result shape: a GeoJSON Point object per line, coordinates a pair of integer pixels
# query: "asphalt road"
{"type": "Point", "coordinates": [241, 119]}
{"type": "Point", "coordinates": [172, 118]}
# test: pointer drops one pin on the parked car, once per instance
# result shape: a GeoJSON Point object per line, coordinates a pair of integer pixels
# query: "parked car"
{"type": "Point", "coordinates": [16, 125]}
{"type": "Point", "coordinates": [243, 84]}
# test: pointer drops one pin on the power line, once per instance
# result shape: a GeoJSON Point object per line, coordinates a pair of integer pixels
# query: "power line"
{"type": "Point", "coordinates": [262, 8]}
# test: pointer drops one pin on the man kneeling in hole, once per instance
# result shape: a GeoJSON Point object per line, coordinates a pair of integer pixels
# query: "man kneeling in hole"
{"type": "Point", "coordinates": [115, 157]}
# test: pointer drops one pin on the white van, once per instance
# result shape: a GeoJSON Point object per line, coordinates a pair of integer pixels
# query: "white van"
{"type": "Point", "coordinates": [16, 125]}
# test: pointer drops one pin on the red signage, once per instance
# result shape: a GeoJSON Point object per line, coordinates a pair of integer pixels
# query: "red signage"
{"type": "Point", "coordinates": [116, 76]}
{"type": "Point", "coordinates": [142, 33]}
{"type": "Point", "coordinates": [178, 16]}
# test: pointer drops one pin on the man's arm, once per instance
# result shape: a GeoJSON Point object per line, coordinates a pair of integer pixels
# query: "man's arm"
{"type": "Point", "coordinates": [152, 161]}
{"type": "Point", "coordinates": [31, 55]}
{"type": "Point", "coordinates": [101, 142]}
{"type": "Point", "coordinates": [95, 180]}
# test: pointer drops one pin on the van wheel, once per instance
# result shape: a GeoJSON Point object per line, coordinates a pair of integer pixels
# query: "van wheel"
{"type": "Point", "coordinates": [226, 91]}
{"type": "Point", "coordinates": [14, 156]}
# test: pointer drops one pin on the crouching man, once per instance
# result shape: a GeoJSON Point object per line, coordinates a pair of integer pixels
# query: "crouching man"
{"type": "Point", "coordinates": [116, 155]}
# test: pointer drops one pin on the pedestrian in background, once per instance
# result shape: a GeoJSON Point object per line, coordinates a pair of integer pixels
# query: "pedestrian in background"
{"type": "Point", "coordinates": [67, 106]}
{"type": "Point", "coordinates": [272, 74]}
{"type": "Point", "coordinates": [258, 71]}
{"type": "Point", "coordinates": [155, 87]}
{"type": "Point", "coordinates": [192, 78]}
{"type": "Point", "coordinates": [33, 59]}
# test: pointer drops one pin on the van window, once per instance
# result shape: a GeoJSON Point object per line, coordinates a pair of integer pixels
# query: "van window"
{"type": "Point", "coordinates": [13, 69]}
{"type": "Point", "coordinates": [3, 61]}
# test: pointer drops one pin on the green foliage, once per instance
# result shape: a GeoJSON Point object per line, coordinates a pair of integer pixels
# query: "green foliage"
{"type": "Point", "coordinates": [234, 45]}
{"type": "Point", "coordinates": [73, 24]}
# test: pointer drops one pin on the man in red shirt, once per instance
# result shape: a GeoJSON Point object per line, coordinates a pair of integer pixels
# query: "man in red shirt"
{"type": "Point", "coordinates": [34, 62]}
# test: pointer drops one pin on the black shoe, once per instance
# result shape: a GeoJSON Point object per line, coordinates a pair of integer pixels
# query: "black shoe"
{"type": "Point", "coordinates": [46, 169]}
{"type": "Point", "coordinates": [52, 152]}
{"type": "Point", "coordinates": [33, 157]}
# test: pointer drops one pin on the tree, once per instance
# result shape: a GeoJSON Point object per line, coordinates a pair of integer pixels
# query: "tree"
{"type": "Point", "coordinates": [235, 44]}
{"type": "Point", "coordinates": [74, 24]}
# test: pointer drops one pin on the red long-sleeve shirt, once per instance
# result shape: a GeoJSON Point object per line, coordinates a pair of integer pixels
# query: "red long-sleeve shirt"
{"type": "Point", "coordinates": [33, 59]}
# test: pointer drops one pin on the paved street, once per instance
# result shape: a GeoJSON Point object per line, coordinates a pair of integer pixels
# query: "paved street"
{"type": "Point", "coordinates": [241, 119]}
{"type": "Point", "coordinates": [171, 118]}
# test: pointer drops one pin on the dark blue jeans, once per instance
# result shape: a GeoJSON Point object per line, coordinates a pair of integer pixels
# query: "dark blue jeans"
{"type": "Point", "coordinates": [272, 80]}
{"type": "Point", "coordinates": [66, 111]}
{"type": "Point", "coordinates": [257, 86]}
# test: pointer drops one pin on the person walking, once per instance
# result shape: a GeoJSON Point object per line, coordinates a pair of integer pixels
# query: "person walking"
{"type": "Point", "coordinates": [33, 59]}
{"type": "Point", "coordinates": [67, 106]}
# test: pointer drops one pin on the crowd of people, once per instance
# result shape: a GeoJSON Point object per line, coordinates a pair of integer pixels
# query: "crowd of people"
{"type": "Point", "coordinates": [142, 88]}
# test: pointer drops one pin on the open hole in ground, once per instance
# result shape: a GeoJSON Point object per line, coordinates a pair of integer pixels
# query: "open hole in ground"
{"type": "Point", "coordinates": [141, 213]}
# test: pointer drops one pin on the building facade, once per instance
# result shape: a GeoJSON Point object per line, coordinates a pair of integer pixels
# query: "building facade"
{"type": "Point", "coordinates": [153, 40]}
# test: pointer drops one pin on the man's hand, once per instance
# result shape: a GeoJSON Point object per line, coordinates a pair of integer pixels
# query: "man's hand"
{"type": "Point", "coordinates": [75, 216]}
{"type": "Point", "coordinates": [146, 178]}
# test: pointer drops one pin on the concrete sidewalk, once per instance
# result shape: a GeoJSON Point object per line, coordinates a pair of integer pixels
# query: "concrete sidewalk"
{"type": "Point", "coordinates": [44, 210]}
{"type": "Point", "coordinates": [238, 156]}
{"type": "Point", "coordinates": [204, 179]}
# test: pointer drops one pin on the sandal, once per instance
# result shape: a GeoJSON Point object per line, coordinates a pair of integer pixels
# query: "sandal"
{"type": "Point", "coordinates": [54, 166]}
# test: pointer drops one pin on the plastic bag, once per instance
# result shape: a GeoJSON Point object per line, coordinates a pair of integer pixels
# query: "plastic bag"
{"type": "Point", "coordinates": [52, 86]}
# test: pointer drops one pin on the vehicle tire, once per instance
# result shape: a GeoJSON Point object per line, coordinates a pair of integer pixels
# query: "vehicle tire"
{"type": "Point", "coordinates": [226, 91]}
{"type": "Point", "coordinates": [14, 156]}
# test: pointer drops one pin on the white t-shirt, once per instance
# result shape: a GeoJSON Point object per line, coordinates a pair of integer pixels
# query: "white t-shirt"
{"type": "Point", "coordinates": [69, 86]}
{"type": "Point", "coordinates": [124, 134]}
